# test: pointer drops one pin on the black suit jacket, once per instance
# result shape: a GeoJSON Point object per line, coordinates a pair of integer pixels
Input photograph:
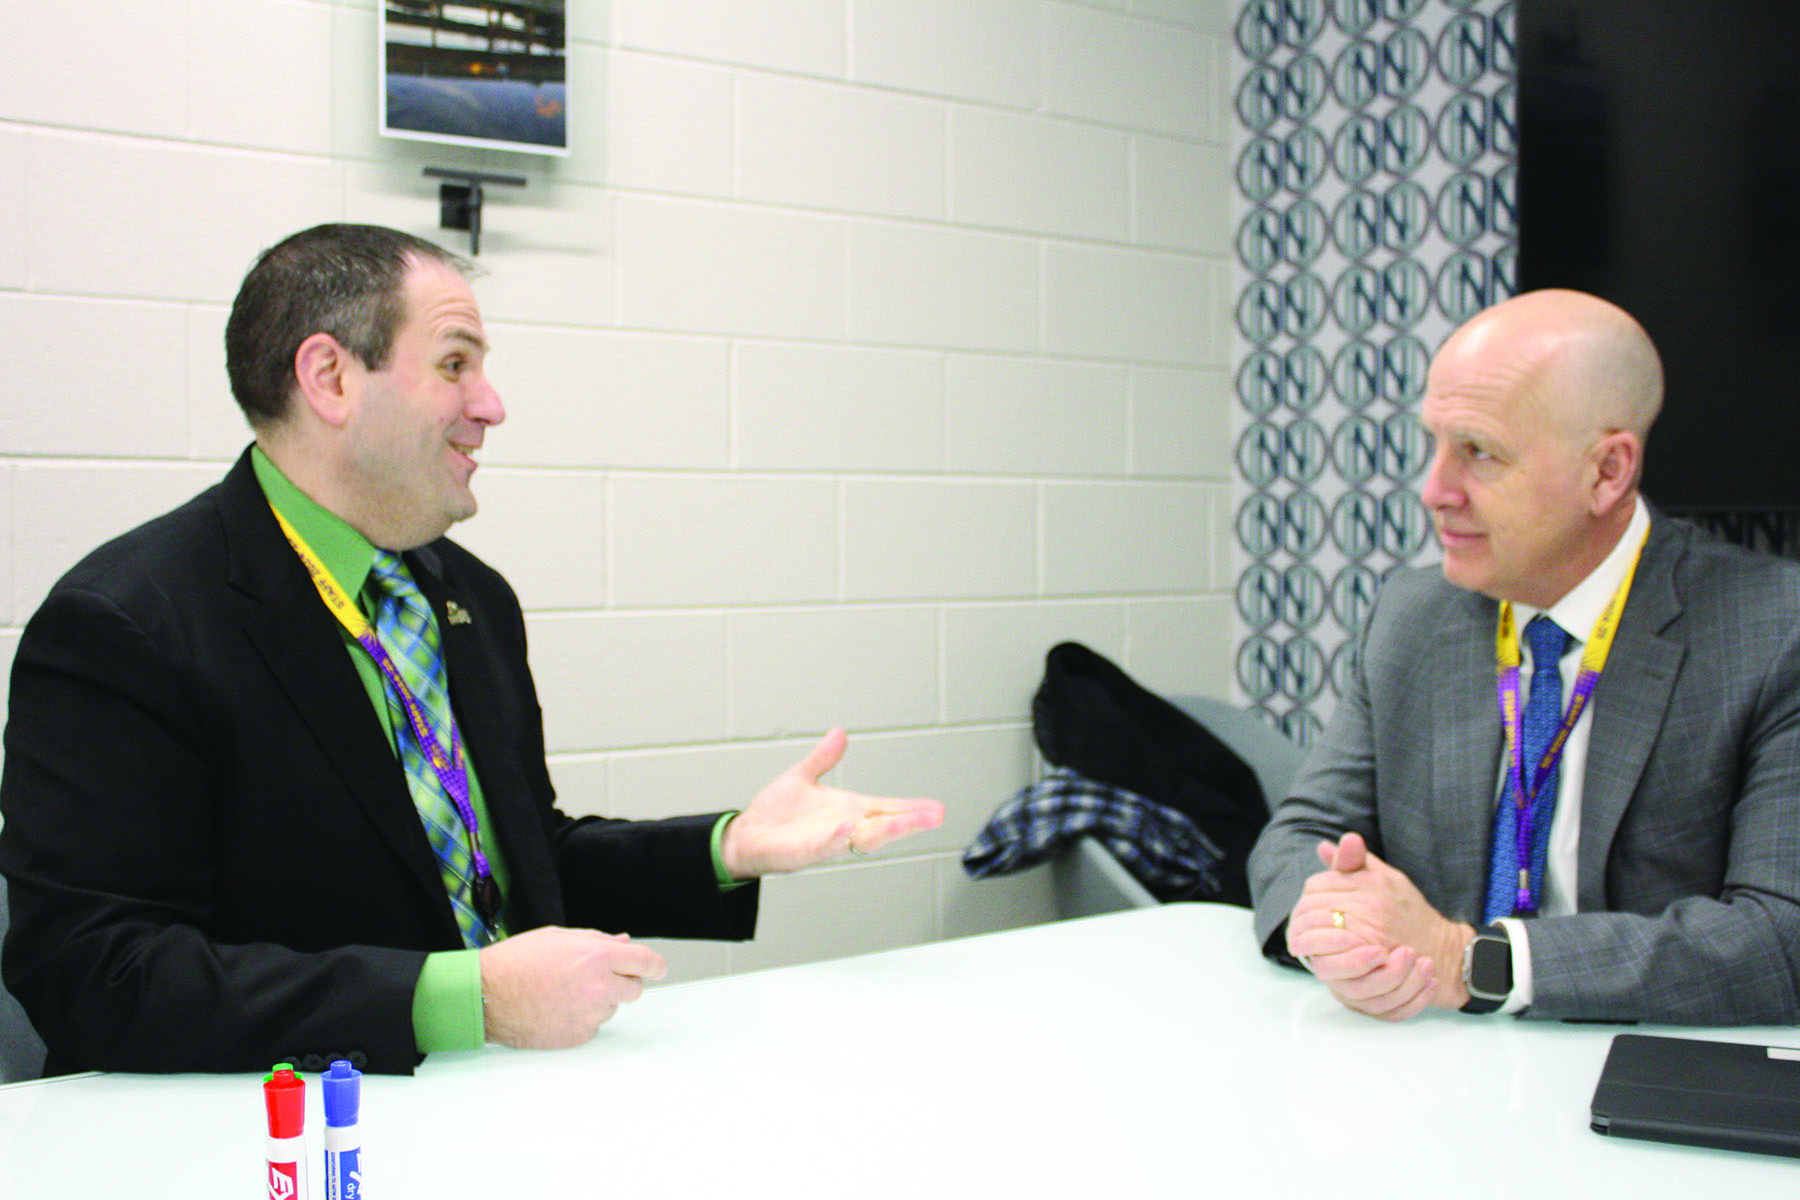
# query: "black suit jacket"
{"type": "Point", "coordinates": [214, 860]}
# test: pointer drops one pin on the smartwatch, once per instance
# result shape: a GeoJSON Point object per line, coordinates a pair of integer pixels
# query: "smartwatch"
{"type": "Point", "coordinates": [1487, 969]}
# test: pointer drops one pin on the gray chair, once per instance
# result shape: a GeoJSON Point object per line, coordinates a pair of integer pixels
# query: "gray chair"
{"type": "Point", "coordinates": [1087, 880]}
{"type": "Point", "coordinates": [1275, 757]}
{"type": "Point", "coordinates": [21, 1051]}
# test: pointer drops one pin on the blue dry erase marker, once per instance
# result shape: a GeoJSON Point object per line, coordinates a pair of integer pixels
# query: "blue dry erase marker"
{"type": "Point", "coordinates": [342, 1086]}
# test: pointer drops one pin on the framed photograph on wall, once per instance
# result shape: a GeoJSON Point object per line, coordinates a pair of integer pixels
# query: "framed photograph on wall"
{"type": "Point", "coordinates": [488, 73]}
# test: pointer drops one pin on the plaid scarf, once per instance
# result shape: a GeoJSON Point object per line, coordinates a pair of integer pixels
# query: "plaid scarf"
{"type": "Point", "coordinates": [1163, 850]}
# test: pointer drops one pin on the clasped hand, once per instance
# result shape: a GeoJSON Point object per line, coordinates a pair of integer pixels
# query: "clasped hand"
{"type": "Point", "coordinates": [1370, 936]}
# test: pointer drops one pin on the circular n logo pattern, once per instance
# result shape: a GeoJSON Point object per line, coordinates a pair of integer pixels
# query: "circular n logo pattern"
{"type": "Point", "coordinates": [1379, 210]}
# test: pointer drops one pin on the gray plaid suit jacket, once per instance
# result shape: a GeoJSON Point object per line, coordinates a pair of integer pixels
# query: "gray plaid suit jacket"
{"type": "Point", "coordinates": [1688, 889]}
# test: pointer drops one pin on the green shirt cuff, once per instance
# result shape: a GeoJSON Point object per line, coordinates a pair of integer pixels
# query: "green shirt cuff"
{"type": "Point", "coordinates": [447, 1003]}
{"type": "Point", "coordinates": [726, 882]}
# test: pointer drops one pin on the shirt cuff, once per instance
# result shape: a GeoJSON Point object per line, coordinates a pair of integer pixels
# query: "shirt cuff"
{"type": "Point", "coordinates": [447, 1003]}
{"type": "Point", "coordinates": [726, 882]}
{"type": "Point", "coordinates": [1520, 941]}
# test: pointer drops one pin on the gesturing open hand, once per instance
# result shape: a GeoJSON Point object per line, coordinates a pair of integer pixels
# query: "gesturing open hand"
{"type": "Point", "coordinates": [797, 821]}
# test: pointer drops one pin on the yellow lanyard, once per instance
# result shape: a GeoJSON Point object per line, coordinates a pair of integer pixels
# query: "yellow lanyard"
{"type": "Point", "coordinates": [449, 766]}
{"type": "Point", "coordinates": [330, 591]}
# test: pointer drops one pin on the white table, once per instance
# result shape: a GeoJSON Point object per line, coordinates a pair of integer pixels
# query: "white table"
{"type": "Point", "coordinates": [1145, 1053]}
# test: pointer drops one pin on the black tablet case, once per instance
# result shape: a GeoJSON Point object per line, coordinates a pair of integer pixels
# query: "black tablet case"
{"type": "Point", "coordinates": [1725, 1095]}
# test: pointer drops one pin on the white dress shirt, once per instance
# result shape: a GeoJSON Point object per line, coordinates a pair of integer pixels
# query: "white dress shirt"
{"type": "Point", "coordinates": [1576, 612]}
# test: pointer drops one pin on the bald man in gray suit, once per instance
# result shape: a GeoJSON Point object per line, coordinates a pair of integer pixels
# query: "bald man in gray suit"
{"type": "Point", "coordinates": [1655, 874]}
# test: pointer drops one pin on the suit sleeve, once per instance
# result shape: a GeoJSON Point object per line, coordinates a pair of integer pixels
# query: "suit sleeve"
{"type": "Point", "coordinates": [652, 879]}
{"type": "Point", "coordinates": [111, 827]}
{"type": "Point", "coordinates": [1705, 871]}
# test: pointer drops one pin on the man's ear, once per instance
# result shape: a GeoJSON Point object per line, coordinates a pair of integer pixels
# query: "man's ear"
{"type": "Point", "coordinates": [323, 370]}
{"type": "Point", "coordinates": [1617, 458]}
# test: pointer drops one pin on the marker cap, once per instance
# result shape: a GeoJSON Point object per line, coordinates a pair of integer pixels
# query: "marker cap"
{"type": "Point", "coordinates": [284, 1094]}
{"type": "Point", "coordinates": [342, 1086]}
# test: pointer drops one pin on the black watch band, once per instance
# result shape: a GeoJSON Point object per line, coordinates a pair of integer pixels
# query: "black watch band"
{"type": "Point", "coordinates": [1487, 969]}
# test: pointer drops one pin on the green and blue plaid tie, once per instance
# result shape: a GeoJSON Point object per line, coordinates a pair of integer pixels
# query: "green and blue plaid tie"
{"type": "Point", "coordinates": [404, 624]}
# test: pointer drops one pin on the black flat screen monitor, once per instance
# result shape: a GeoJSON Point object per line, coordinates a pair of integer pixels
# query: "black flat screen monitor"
{"type": "Point", "coordinates": [1659, 167]}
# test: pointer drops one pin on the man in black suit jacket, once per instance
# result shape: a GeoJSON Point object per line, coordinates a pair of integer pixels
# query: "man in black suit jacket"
{"type": "Point", "coordinates": [214, 857]}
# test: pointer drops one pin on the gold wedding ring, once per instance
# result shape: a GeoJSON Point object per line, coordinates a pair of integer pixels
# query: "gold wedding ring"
{"type": "Point", "coordinates": [1338, 919]}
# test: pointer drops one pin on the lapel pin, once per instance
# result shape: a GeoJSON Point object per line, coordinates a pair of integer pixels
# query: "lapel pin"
{"type": "Point", "coordinates": [457, 614]}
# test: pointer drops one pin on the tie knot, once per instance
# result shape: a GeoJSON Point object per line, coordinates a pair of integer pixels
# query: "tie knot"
{"type": "Point", "coordinates": [1549, 641]}
{"type": "Point", "coordinates": [390, 573]}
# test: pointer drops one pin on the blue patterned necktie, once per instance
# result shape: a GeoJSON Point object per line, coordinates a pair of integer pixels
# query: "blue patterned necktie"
{"type": "Point", "coordinates": [404, 624]}
{"type": "Point", "coordinates": [1543, 716]}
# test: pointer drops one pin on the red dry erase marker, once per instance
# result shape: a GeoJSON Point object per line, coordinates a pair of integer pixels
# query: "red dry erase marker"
{"type": "Point", "coordinates": [284, 1095]}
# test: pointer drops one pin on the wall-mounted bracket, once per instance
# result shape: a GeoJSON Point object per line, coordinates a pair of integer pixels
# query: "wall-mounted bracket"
{"type": "Point", "coordinates": [459, 200]}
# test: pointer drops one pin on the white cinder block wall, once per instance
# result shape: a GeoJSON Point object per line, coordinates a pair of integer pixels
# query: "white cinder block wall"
{"type": "Point", "coordinates": [861, 350]}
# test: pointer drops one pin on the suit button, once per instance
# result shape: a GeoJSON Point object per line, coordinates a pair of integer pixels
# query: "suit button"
{"type": "Point", "coordinates": [313, 1062]}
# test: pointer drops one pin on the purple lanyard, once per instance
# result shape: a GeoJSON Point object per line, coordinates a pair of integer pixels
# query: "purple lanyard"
{"type": "Point", "coordinates": [450, 769]}
{"type": "Point", "coordinates": [1525, 902]}
{"type": "Point", "coordinates": [451, 772]}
